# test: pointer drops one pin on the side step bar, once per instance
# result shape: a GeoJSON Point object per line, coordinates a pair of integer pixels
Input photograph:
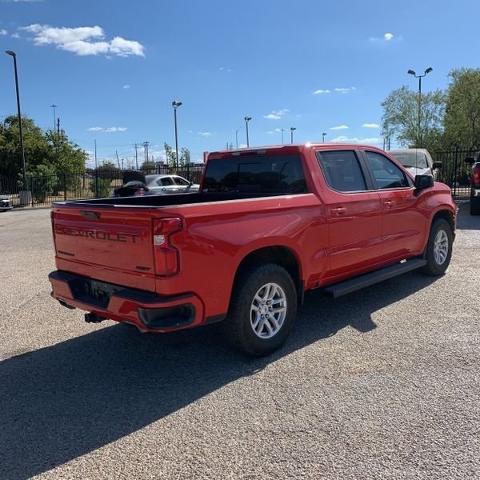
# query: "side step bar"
{"type": "Point", "coordinates": [362, 281]}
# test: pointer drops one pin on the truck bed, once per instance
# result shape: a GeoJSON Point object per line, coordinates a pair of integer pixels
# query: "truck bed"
{"type": "Point", "coordinates": [166, 200]}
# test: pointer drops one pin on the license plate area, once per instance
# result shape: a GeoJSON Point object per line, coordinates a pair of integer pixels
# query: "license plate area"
{"type": "Point", "coordinates": [93, 292]}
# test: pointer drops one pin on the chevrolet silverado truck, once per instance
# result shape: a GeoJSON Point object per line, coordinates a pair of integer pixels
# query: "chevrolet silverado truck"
{"type": "Point", "coordinates": [267, 225]}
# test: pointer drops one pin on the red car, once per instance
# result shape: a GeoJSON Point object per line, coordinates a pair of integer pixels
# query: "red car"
{"type": "Point", "coordinates": [267, 225]}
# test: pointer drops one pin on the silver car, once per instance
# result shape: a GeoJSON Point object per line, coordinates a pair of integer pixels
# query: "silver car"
{"type": "Point", "coordinates": [158, 184]}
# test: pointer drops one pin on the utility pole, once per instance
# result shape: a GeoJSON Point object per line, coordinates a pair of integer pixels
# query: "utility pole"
{"type": "Point", "coordinates": [95, 152]}
{"type": "Point", "coordinates": [58, 125]}
{"type": "Point", "coordinates": [118, 161]}
{"type": "Point", "coordinates": [292, 129]}
{"type": "Point", "coordinates": [145, 151]}
{"type": "Point", "coordinates": [323, 137]}
{"type": "Point", "coordinates": [136, 156]}
{"type": "Point", "coordinates": [247, 119]}
{"type": "Point", "coordinates": [282, 134]}
{"type": "Point", "coordinates": [20, 128]}
{"type": "Point", "coordinates": [236, 137]}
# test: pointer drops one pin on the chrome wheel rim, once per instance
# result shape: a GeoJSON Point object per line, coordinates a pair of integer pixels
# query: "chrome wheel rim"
{"type": "Point", "coordinates": [268, 310]}
{"type": "Point", "coordinates": [440, 247]}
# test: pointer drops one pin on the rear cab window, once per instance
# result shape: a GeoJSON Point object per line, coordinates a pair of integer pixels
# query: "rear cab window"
{"type": "Point", "coordinates": [257, 174]}
{"type": "Point", "coordinates": [342, 171]}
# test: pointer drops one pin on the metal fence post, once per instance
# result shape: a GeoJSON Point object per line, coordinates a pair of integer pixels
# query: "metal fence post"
{"type": "Point", "coordinates": [96, 184]}
{"type": "Point", "coordinates": [64, 186]}
{"type": "Point", "coordinates": [31, 189]}
{"type": "Point", "coordinates": [455, 171]}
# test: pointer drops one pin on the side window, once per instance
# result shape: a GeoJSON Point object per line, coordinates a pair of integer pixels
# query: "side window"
{"type": "Point", "coordinates": [385, 173]}
{"type": "Point", "coordinates": [180, 181]}
{"type": "Point", "coordinates": [342, 170]}
{"type": "Point", "coordinates": [165, 181]}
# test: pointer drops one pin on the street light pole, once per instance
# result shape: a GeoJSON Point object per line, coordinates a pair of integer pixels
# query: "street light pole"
{"type": "Point", "coordinates": [282, 134]}
{"type": "Point", "coordinates": [323, 137]}
{"type": "Point", "coordinates": [53, 106]}
{"type": "Point", "coordinates": [175, 105]}
{"type": "Point", "coordinates": [247, 119]}
{"type": "Point", "coordinates": [419, 119]}
{"type": "Point", "coordinates": [292, 129]}
{"type": "Point", "coordinates": [22, 148]}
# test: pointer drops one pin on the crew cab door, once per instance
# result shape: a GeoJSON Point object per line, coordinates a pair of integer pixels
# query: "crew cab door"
{"type": "Point", "coordinates": [353, 214]}
{"type": "Point", "coordinates": [403, 225]}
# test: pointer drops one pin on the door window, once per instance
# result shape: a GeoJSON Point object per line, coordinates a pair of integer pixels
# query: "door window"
{"type": "Point", "coordinates": [181, 181]}
{"type": "Point", "coordinates": [165, 182]}
{"type": "Point", "coordinates": [385, 173]}
{"type": "Point", "coordinates": [342, 170]}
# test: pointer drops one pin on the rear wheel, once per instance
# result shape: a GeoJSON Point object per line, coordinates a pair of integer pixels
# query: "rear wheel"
{"type": "Point", "coordinates": [439, 248]}
{"type": "Point", "coordinates": [262, 310]}
{"type": "Point", "coordinates": [474, 205]}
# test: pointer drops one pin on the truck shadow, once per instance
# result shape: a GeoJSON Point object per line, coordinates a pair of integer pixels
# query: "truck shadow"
{"type": "Point", "coordinates": [64, 401]}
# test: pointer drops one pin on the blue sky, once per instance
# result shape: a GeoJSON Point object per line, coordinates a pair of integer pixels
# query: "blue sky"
{"type": "Point", "coordinates": [114, 66]}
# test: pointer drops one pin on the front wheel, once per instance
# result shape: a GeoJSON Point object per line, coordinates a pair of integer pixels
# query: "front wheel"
{"type": "Point", "coordinates": [439, 248]}
{"type": "Point", "coordinates": [262, 310]}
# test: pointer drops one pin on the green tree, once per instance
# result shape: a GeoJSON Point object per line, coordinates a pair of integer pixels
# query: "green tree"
{"type": "Point", "coordinates": [184, 156]}
{"type": "Point", "coordinates": [170, 155]}
{"type": "Point", "coordinates": [462, 116]}
{"type": "Point", "coordinates": [400, 118]}
{"type": "Point", "coordinates": [41, 148]}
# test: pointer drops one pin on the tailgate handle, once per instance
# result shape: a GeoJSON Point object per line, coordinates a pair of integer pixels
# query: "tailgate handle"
{"type": "Point", "coordinates": [90, 215]}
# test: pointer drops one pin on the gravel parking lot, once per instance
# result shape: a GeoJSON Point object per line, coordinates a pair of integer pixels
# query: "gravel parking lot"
{"type": "Point", "coordinates": [383, 383]}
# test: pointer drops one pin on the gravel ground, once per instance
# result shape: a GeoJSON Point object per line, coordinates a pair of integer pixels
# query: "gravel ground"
{"type": "Point", "coordinates": [382, 384]}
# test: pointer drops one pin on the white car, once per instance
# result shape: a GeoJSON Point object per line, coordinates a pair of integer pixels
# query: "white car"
{"type": "Point", "coordinates": [417, 161]}
{"type": "Point", "coordinates": [158, 184]}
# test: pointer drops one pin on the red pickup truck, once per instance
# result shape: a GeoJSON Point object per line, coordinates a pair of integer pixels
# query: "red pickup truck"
{"type": "Point", "coordinates": [267, 225]}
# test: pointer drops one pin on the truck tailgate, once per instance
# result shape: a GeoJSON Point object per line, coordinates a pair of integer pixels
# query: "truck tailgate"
{"type": "Point", "coordinates": [114, 240]}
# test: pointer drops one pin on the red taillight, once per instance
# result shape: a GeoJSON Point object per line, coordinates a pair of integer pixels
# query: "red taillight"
{"type": "Point", "coordinates": [476, 175]}
{"type": "Point", "coordinates": [166, 255]}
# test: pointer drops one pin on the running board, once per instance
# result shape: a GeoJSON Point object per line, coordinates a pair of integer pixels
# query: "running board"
{"type": "Point", "coordinates": [362, 281]}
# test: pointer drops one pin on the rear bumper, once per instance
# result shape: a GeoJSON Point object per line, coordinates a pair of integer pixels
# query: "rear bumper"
{"type": "Point", "coordinates": [148, 311]}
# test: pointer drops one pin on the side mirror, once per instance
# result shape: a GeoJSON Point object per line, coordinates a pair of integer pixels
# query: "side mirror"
{"type": "Point", "coordinates": [470, 160]}
{"type": "Point", "coordinates": [422, 182]}
{"type": "Point", "coordinates": [437, 165]}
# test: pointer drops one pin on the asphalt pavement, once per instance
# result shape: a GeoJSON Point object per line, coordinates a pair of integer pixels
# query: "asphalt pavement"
{"type": "Point", "coordinates": [381, 384]}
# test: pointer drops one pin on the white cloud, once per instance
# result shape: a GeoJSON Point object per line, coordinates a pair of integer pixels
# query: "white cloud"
{"type": "Point", "coordinates": [340, 127]}
{"type": "Point", "coordinates": [126, 86]}
{"type": "Point", "coordinates": [387, 37]}
{"type": "Point", "coordinates": [83, 40]}
{"type": "Point", "coordinates": [107, 129]}
{"type": "Point", "coordinates": [371, 125]}
{"type": "Point", "coordinates": [321, 91]}
{"type": "Point", "coordinates": [225, 69]}
{"type": "Point", "coordinates": [15, 35]}
{"type": "Point", "coordinates": [276, 114]}
{"type": "Point", "coordinates": [366, 140]}
{"type": "Point", "coordinates": [325, 91]}
{"type": "Point", "coordinates": [3, 32]}
{"type": "Point", "coordinates": [205, 134]}
{"type": "Point", "coordinates": [275, 131]}
{"type": "Point", "coordinates": [345, 89]}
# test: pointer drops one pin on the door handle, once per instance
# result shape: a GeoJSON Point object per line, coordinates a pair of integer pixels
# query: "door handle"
{"type": "Point", "coordinates": [339, 210]}
{"type": "Point", "coordinates": [388, 203]}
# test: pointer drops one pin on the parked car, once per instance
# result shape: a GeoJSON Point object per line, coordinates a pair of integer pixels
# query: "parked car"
{"type": "Point", "coordinates": [5, 203]}
{"type": "Point", "coordinates": [138, 184]}
{"type": "Point", "coordinates": [267, 225]}
{"type": "Point", "coordinates": [474, 184]}
{"type": "Point", "coordinates": [417, 161]}
{"type": "Point", "coordinates": [169, 184]}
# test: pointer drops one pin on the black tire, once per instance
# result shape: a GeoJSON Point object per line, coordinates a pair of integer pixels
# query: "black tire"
{"type": "Point", "coordinates": [474, 206]}
{"type": "Point", "coordinates": [238, 326]}
{"type": "Point", "coordinates": [433, 266]}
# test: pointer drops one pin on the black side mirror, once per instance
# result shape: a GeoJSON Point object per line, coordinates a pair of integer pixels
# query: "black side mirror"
{"type": "Point", "coordinates": [437, 165]}
{"type": "Point", "coordinates": [422, 182]}
{"type": "Point", "coordinates": [470, 160]}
